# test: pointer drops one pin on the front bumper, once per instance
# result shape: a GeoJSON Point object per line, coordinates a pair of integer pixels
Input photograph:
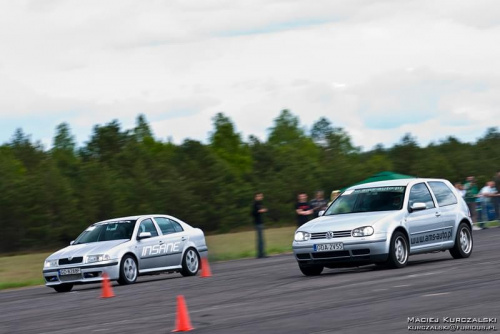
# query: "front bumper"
{"type": "Point", "coordinates": [90, 273]}
{"type": "Point", "coordinates": [355, 252]}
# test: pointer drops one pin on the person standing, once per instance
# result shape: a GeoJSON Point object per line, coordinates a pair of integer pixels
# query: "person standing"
{"type": "Point", "coordinates": [303, 209]}
{"type": "Point", "coordinates": [496, 199]}
{"type": "Point", "coordinates": [319, 203]}
{"type": "Point", "coordinates": [470, 197]}
{"type": "Point", "coordinates": [258, 210]}
{"type": "Point", "coordinates": [487, 193]}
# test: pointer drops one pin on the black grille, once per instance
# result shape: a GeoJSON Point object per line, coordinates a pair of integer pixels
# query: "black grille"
{"type": "Point", "coordinates": [336, 234]}
{"type": "Point", "coordinates": [361, 251]}
{"type": "Point", "coordinates": [324, 255]}
{"type": "Point", "coordinates": [77, 259]}
{"type": "Point", "coordinates": [303, 256]}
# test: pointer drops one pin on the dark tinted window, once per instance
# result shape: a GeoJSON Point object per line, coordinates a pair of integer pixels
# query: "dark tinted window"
{"type": "Point", "coordinates": [165, 225]}
{"type": "Point", "coordinates": [148, 226]}
{"type": "Point", "coordinates": [420, 194]}
{"type": "Point", "coordinates": [177, 226]}
{"type": "Point", "coordinates": [444, 195]}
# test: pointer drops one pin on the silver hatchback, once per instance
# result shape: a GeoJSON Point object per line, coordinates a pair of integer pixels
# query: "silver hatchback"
{"type": "Point", "coordinates": [125, 248]}
{"type": "Point", "coordinates": [384, 223]}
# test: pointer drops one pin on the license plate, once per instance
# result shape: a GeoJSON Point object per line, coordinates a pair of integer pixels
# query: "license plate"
{"type": "Point", "coordinates": [70, 271]}
{"type": "Point", "coordinates": [329, 247]}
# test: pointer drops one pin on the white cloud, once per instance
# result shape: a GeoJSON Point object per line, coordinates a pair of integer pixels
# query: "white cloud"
{"type": "Point", "coordinates": [379, 68]}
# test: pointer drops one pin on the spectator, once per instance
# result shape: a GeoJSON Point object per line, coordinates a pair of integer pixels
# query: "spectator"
{"type": "Point", "coordinates": [471, 192]}
{"type": "Point", "coordinates": [496, 199]}
{"type": "Point", "coordinates": [258, 210]}
{"type": "Point", "coordinates": [319, 203]}
{"type": "Point", "coordinates": [486, 194]}
{"type": "Point", "coordinates": [460, 189]}
{"type": "Point", "coordinates": [333, 196]}
{"type": "Point", "coordinates": [303, 209]}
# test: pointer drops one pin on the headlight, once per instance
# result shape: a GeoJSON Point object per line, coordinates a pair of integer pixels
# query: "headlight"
{"type": "Point", "coordinates": [50, 263]}
{"type": "Point", "coordinates": [362, 231]}
{"type": "Point", "coordinates": [302, 236]}
{"type": "Point", "coordinates": [97, 258]}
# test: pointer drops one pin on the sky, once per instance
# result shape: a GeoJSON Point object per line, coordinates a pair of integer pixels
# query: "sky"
{"type": "Point", "coordinates": [377, 68]}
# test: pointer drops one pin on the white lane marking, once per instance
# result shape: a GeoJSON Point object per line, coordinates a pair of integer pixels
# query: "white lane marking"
{"type": "Point", "coordinates": [425, 274]}
{"type": "Point", "coordinates": [436, 294]}
{"type": "Point", "coordinates": [402, 286]}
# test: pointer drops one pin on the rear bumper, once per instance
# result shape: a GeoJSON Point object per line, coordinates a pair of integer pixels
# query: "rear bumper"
{"type": "Point", "coordinates": [89, 273]}
{"type": "Point", "coordinates": [354, 253]}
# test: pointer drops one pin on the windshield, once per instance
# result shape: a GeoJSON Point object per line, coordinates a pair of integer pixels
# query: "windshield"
{"type": "Point", "coordinates": [107, 231]}
{"type": "Point", "coordinates": [368, 200]}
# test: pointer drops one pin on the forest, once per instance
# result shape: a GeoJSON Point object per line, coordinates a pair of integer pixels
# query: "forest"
{"type": "Point", "coordinates": [48, 196]}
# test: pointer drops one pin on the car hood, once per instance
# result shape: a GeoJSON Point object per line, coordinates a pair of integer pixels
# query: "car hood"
{"type": "Point", "coordinates": [92, 248]}
{"type": "Point", "coordinates": [344, 222]}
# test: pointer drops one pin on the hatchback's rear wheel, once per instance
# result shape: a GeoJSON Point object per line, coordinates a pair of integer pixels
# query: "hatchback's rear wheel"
{"type": "Point", "coordinates": [463, 242]}
{"type": "Point", "coordinates": [66, 287]}
{"type": "Point", "coordinates": [128, 270]}
{"type": "Point", "coordinates": [311, 270]}
{"type": "Point", "coordinates": [399, 251]}
{"type": "Point", "coordinates": [190, 263]}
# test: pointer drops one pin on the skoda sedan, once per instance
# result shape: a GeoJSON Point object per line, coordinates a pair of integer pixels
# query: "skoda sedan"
{"type": "Point", "coordinates": [125, 248]}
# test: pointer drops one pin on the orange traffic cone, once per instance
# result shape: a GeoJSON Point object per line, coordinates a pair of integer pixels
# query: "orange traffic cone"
{"type": "Point", "coordinates": [182, 322]}
{"type": "Point", "coordinates": [106, 291]}
{"type": "Point", "coordinates": [205, 268]}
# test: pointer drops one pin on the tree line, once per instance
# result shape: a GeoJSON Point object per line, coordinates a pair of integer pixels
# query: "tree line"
{"type": "Point", "coordinates": [48, 196]}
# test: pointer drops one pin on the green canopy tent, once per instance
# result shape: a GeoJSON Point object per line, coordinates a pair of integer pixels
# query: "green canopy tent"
{"type": "Point", "coordinates": [382, 176]}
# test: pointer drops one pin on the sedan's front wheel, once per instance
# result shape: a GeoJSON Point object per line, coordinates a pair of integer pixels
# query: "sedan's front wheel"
{"type": "Point", "coordinates": [63, 287]}
{"type": "Point", "coordinates": [128, 270]}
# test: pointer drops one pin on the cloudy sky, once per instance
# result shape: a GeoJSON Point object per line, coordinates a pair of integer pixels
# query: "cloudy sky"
{"type": "Point", "coordinates": [378, 68]}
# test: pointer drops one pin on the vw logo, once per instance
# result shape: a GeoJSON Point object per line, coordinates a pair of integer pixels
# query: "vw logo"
{"type": "Point", "coordinates": [70, 258]}
{"type": "Point", "coordinates": [329, 235]}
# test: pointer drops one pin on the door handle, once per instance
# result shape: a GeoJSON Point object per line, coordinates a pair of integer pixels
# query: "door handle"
{"type": "Point", "coordinates": [162, 242]}
{"type": "Point", "coordinates": [438, 214]}
{"type": "Point", "coordinates": [183, 238]}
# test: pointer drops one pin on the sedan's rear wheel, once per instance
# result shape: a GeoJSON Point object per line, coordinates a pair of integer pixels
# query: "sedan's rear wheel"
{"type": "Point", "coordinates": [399, 251]}
{"type": "Point", "coordinates": [311, 270]}
{"type": "Point", "coordinates": [463, 242]}
{"type": "Point", "coordinates": [63, 287]}
{"type": "Point", "coordinates": [128, 270]}
{"type": "Point", "coordinates": [190, 262]}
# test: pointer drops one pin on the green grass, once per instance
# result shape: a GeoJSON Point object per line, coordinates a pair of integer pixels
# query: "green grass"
{"type": "Point", "coordinates": [26, 270]}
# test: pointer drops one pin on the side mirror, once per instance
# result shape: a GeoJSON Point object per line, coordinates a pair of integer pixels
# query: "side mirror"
{"type": "Point", "coordinates": [72, 242]}
{"type": "Point", "coordinates": [321, 213]}
{"type": "Point", "coordinates": [417, 206]}
{"type": "Point", "coordinates": [144, 235]}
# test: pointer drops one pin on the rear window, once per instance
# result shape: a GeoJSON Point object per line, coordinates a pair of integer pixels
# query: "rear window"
{"type": "Point", "coordinates": [443, 193]}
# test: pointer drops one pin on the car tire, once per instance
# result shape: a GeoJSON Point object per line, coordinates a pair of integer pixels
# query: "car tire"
{"type": "Point", "coordinates": [190, 262]}
{"type": "Point", "coordinates": [63, 287]}
{"type": "Point", "coordinates": [398, 251]}
{"type": "Point", "coordinates": [463, 242]}
{"type": "Point", "coordinates": [128, 270]}
{"type": "Point", "coordinates": [311, 270]}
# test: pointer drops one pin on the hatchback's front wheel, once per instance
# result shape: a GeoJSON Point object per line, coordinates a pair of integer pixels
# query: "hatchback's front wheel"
{"type": "Point", "coordinates": [128, 270]}
{"type": "Point", "coordinates": [311, 270]}
{"type": "Point", "coordinates": [399, 251]}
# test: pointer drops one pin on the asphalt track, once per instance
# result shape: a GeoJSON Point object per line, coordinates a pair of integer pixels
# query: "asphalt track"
{"type": "Point", "coordinates": [272, 296]}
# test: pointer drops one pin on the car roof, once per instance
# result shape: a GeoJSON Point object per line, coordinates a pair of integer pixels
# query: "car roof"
{"type": "Point", "coordinates": [393, 183]}
{"type": "Point", "coordinates": [133, 217]}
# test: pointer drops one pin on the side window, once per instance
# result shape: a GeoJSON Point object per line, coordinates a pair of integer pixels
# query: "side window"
{"type": "Point", "coordinates": [177, 226]}
{"type": "Point", "coordinates": [420, 194]}
{"type": "Point", "coordinates": [165, 225]}
{"type": "Point", "coordinates": [443, 194]}
{"type": "Point", "coordinates": [147, 225]}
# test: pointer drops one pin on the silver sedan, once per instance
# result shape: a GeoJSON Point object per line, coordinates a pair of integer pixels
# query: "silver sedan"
{"type": "Point", "coordinates": [384, 223]}
{"type": "Point", "coordinates": [125, 248]}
